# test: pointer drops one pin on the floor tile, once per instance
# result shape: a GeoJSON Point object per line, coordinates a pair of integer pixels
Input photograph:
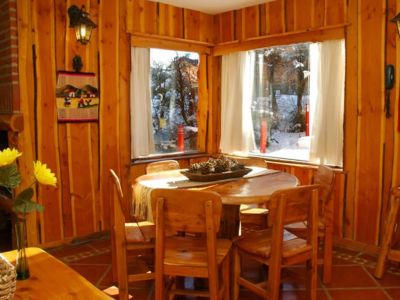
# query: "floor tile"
{"type": "Point", "coordinates": [388, 279]}
{"type": "Point", "coordinates": [350, 277]}
{"type": "Point", "coordinates": [394, 293]}
{"type": "Point", "coordinates": [352, 274]}
{"type": "Point", "coordinates": [373, 294]}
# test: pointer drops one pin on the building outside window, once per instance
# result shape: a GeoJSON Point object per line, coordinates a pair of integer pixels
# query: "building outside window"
{"type": "Point", "coordinates": [174, 100]}
{"type": "Point", "coordinates": [280, 101]}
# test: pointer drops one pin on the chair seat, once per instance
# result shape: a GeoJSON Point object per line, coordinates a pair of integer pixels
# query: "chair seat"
{"type": "Point", "coordinates": [259, 243]}
{"type": "Point", "coordinates": [134, 234]}
{"type": "Point", "coordinates": [299, 228]}
{"type": "Point", "coordinates": [192, 252]}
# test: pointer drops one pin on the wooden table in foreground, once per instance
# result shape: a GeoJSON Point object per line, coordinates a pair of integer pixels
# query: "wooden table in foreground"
{"type": "Point", "coordinates": [253, 190]}
{"type": "Point", "coordinates": [52, 279]}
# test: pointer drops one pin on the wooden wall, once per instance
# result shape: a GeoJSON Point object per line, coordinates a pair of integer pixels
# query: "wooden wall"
{"type": "Point", "coordinates": [82, 153]}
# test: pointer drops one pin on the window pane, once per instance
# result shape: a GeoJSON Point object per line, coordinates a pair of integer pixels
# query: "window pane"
{"type": "Point", "coordinates": [174, 93]}
{"type": "Point", "coordinates": [281, 100]}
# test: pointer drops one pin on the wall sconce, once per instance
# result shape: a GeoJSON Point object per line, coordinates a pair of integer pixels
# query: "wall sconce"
{"type": "Point", "coordinates": [396, 20]}
{"type": "Point", "coordinates": [79, 20]}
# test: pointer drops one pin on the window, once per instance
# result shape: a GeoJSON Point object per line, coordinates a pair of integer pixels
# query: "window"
{"type": "Point", "coordinates": [164, 100]}
{"type": "Point", "coordinates": [285, 102]}
{"type": "Point", "coordinates": [280, 102]}
{"type": "Point", "coordinates": [174, 99]}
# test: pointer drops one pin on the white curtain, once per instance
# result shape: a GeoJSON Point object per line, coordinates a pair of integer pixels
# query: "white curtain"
{"type": "Point", "coordinates": [237, 136]}
{"type": "Point", "coordinates": [142, 140]}
{"type": "Point", "coordinates": [327, 77]}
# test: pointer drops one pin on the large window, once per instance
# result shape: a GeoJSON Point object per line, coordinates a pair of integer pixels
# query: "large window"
{"type": "Point", "coordinates": [174, 100]}
{"type": "Point", "coordinates": [285, 102]}
{"type": "Point", "coordinates": [280, 102]}
{"type": "Point", "coordinates": [164, 100]}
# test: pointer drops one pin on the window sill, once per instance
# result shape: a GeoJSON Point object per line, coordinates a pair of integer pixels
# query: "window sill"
{"type": "Point", "coordinates": [176, 155]}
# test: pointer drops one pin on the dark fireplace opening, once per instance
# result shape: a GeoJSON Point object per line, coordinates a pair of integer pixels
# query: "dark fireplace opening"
{"type": "Point", "coordinates": [5, 214]}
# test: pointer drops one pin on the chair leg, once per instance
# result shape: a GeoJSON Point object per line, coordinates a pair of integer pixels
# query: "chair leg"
{"type": "Point", "coordinates": [160, 288]}
{"type": "Point", "coordinates": [274, 281]}
{"type": "Point", "coordinates": [312, 278]}
{"type": "Point", "coordinates": [387, 237]}
{"type": "Point", "coordinates": [236, 273]}
{"type": "Point", "coordinates": [227, 277]}
{"type": "Point", "coordinates": [328, 248]}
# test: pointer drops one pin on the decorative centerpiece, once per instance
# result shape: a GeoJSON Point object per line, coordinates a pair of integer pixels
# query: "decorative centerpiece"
{"type": "Point", "coordinates": [22, 202]}
{"type": "Point", "coordinates": [216, 169]}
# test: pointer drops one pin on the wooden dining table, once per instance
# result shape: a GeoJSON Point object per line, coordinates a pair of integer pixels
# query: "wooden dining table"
{"type": "Point", "coordinates": [254, 188]}
{"type": "Point", "coordinates": [51, 279]}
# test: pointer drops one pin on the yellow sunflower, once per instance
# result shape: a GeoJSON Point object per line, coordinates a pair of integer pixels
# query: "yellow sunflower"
{"type": "Point", "coordinates": [8, 156]}
{"type": "Point", "coordinates": [44, 174]}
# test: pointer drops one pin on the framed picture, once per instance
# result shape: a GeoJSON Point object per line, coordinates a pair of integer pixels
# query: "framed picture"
{"type": "Point", "coordinates": [77, 97]}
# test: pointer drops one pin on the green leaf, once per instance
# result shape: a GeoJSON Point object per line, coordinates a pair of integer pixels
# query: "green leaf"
{"type": "Point", "coordinates": [26, 206]}
{"type": "Point", "coordinates": [23, 202]}
{"type": "Point", "coordinates": [9, 176]}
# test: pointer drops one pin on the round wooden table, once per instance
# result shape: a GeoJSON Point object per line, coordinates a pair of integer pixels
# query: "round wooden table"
{"type": "Point", "coordinates": [247, 190]}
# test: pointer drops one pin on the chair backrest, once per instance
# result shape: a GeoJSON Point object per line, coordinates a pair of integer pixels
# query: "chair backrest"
{"type": "Point", "coordinates": [293, 205]}
{"type": "Point", "coordinates": [187, 210]}
{"type": "Point", "coordinates": [325, 178]}
{"type": "Point", "coordinates": [251, 161]}
{"type": "Point", "coordinates": [164, 165]}
{"type": "Point", "coordinates": [116, 204]}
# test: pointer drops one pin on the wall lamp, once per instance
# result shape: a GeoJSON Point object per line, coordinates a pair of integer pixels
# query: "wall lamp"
{"type": "Point", "coordinates": [396, 20]}
{"type": "Point", "coordinates": [80, 21]}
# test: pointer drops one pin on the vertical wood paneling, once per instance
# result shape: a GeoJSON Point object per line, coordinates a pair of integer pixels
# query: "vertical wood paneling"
{"type": "Point", "coordinates": [334, 11]}
{"type": "Point", "coordinates": [206, 21]}
{"type": "Point", "coordinates": [26, 138]}
{"type": "Point", "coordinates": [239, 31]}
{"type": "Point", "coordinates": [251, 22]}
{"type": "Point", "coordinates": [43, 16]}
{"type": "Point", "coordinates": [61, 25]}
{"type": "Point", "coordinates": [318, 13]}
{"type": "Point", "coordinates": [109, 97]}
{"type": "Point", "coordinates": [389, 125]}
{"type": "Point", "coordinates": [150, 17]}
{"type": "Point", "coordinates": [192, 24]}
{"type": "Point", "coordinates": [262, 10]}
{"type": "Point", "coordinates": [289, 15]}
{"type": "Point", "coordinates": [275, 17]}
{"type": "Point", "coordinates": [202, 107]}
{"type": "Point", "coordinates": [124, 115]}
{"type": "Point", "coordinates": [214, 108]}
{"type": "Point", "coordinates": [226, 27]}
{"type": "Point", "coordinates": [176, 22]}
{"type": "Point", "coordinates": [302, 14]}
{"type": "Point", "coordinates": [372, 99]}
{"type": "Point", "coordinates": [396, 164]}
{"type": "Point", "coordinates": [351, 144]}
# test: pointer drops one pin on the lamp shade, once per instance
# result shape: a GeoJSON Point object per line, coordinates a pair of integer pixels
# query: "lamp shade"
{"type": "Point", "coordinates": [80, 21]}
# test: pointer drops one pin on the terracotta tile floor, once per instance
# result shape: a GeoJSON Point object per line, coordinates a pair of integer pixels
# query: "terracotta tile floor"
{"type": "Point", "coordinates": [352, 275]}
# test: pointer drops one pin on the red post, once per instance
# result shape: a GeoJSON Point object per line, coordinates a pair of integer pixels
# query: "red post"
{"type": "Point", "coordinates": [263, 136]}
{"type": "Point", "coordinates": [181, 145]}
{"type": "Point", "coordinates": [307, 120]}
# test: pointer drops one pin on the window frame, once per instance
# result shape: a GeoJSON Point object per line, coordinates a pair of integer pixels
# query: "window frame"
{"type": "Point", "coordinates": [204, 51]}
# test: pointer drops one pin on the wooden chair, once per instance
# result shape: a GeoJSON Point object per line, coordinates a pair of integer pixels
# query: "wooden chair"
{"type": "Point", "coordinates": [164, 165]}
{"type": "Point", "coordinates": [276, 247]}
{"type": "Point", "coordinates": [252, 217]}
{"type": "Point", "coordinates": [198, 255]}
{"type": "Point", "coordinates": [325, 178]}
{"type": "Point", "coordinates": [126, 237]}
{"type": "Point", "coordinates": [387, 252]}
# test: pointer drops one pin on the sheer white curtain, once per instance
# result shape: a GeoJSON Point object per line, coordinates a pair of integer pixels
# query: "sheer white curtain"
{"type": "Point", "coordinates": [327, 77]}
{"type": "Point", "coordinates": [237, 136]}
{"type": "Point", "coordinates": [142, 141]}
